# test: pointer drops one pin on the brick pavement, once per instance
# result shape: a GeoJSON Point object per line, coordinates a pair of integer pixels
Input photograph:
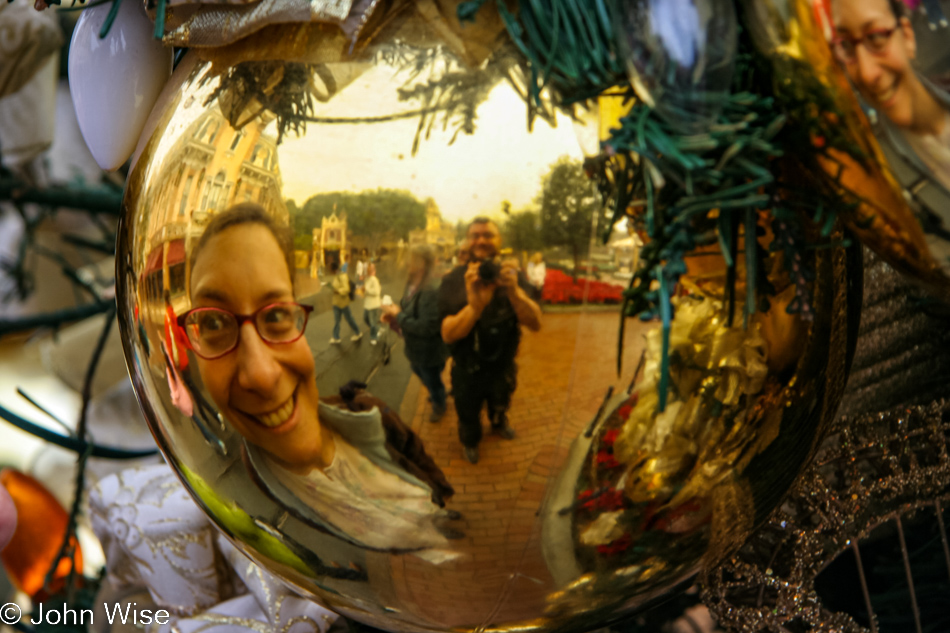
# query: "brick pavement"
{"type": "Point", "coordinates": [564, 372]}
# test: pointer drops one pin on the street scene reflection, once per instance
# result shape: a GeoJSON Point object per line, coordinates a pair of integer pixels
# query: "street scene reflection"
{"type": "Point", "coordinates": [383, 345]}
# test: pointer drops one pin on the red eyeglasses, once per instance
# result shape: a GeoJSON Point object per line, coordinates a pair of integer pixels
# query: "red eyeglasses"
{"type": "Point", "coordinates": [213, 332]}
{"type": "Point", "coordinates": [874, 42]}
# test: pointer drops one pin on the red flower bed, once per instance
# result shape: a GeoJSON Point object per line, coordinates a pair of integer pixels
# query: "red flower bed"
{"type": "Point", "coordinates": [559, 287]}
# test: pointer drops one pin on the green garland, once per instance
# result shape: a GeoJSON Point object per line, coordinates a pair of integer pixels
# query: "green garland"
{"type": "Point", "coordinates": [569, 45]}
{"type": "Point", "coordinates": [248, 84]}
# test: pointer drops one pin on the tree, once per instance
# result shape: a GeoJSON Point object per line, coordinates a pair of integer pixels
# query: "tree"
{"type": "Point", "coordinates": [570, 208]}
{"type": "Point", "coordinates": [303, 239]}
{"type": "Point", "coordinates": [375, 215]}
{"type": "Point", "coordinates": [386, 213]}
{"type": "Point", "coordinates": [522, 231]}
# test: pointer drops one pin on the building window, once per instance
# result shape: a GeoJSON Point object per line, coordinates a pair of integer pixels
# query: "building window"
{"type": "Point", "coordinates": [217, 189]}
{"type": "Point", "coordinates": [202, 129]}
{"type": "Point", "coordinates": [237, 140]}
{"type": "Point", "coordinates": [184, 196]}
{"type": "Point", "coordinates": [176, 278]}
{"type": "Point", "coordinates": [204, 198]}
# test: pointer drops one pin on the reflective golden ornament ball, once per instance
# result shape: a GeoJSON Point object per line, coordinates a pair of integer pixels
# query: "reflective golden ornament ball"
{"type": "Point", "coordinates": [256, 184]}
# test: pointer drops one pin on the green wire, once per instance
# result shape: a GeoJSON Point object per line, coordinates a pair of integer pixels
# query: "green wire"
{"type": "Point", "coordinates": [160, 20]}
{"type": "Point", "coordinates": [110, 18]}
{"type": "Point", "coordinates": [750, 264]}
{"type": "Point", "coordinates": [725, 239]}
{"type": "Point", "coordinates": [466, 10]}
{"type": "Point", "coordinates": [666, 315]}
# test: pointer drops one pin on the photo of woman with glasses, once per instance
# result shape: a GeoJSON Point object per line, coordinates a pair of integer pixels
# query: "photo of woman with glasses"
{"type": "Point", "coordinates": [365, 475]}
{"type": "Point", "coordinates": [878, 48]}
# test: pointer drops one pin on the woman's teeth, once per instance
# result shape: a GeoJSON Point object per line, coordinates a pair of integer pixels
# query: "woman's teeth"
{"type": "Point", "coordinates": [279, 416]}
{"type": "Point", "coordinates": [886, 95]}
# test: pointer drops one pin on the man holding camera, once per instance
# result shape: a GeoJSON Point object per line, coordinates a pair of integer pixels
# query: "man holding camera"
{"type": "Point", "coordinates": [483, 305]}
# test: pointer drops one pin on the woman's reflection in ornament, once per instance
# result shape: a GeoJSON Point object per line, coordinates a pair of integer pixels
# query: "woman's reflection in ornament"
{"type": "Point", "coordinates": [875, 43]}
{"type": "Point", "coordinates": [246, 330]}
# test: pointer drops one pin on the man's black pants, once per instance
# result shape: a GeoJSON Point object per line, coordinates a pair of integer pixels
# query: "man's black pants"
{"type": "Point", "coordinates": [490, 384]}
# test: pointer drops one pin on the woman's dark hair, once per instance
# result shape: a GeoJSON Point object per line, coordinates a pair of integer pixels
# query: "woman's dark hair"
{"type": "Point", "coordinates": [426, 254]}
{"type": "Point", "coordinates": [250, 213]}
{"type": "Point", "coordinates": [898, 8]}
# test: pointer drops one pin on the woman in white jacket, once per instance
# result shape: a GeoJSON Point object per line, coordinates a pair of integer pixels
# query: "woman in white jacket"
{"type": "Point", "coordinates": [371, 302]}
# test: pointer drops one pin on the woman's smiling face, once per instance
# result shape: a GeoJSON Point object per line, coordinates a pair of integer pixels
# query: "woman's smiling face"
{"type": "Point", "coordinates": [886, 79]}
{"type": "Point", "coordinates": [267, 392]}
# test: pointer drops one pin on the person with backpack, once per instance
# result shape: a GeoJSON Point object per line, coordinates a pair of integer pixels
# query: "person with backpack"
{"type": "Point", "coordinates": [417, 318]}
{"type": "Point", "coordinates": [343, 292]}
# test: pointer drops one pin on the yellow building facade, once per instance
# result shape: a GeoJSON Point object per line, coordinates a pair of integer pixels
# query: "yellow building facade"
{"type": "Point", "coordinates": [211, 167]}
{"type": "Point", "coordinates": [438, 233]}
{"type": "Point", "coordinates": [330, 242]}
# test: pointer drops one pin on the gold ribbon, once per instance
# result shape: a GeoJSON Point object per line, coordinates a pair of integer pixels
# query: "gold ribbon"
{"type": "Point", "coordinates": [710, 421]}
{"type": "Point", "coordinates": [237, 30]}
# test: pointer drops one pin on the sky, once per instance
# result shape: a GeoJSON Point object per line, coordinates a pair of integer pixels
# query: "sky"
{"type": "Point", "coordinates": [500, 161]}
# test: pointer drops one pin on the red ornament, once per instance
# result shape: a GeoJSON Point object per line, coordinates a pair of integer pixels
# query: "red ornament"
{"type": "Point", "coordinates": [616, 547]}
{"type": "Point", "coordinates": [41, 526]}
{"type": "Point", "coordinates": [607, 460]}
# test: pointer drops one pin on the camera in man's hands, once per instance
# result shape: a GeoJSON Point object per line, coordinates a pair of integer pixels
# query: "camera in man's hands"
{"type": "Point", "coordinates": [489, 270]}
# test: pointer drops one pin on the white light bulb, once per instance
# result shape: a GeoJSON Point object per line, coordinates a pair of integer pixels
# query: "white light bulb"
{"type": "Point", "coordinates": [115, 81]}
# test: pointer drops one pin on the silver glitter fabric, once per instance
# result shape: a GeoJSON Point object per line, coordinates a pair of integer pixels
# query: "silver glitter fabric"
{"type": "Point", "coordinates": [887, 458]}
{"type": "Point", "coordinates": [903, 354]}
